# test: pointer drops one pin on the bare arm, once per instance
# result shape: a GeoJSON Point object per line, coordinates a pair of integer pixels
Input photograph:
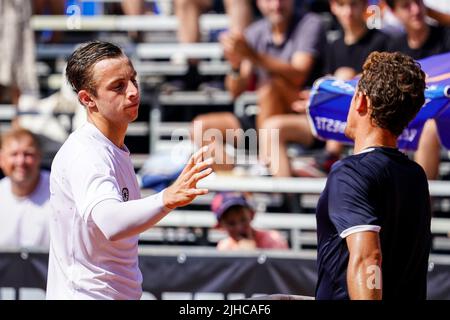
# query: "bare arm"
{"type": "Point", "coordinates": [119, 220]}
{"type": "Point", "coordinates": [364, 266]}
{"type": "Point", "coordinates": [296, 72]}
{"type": "Point", "coordinates": [440, 17]}
{"type": "Point", "coordinates": [237, 84]}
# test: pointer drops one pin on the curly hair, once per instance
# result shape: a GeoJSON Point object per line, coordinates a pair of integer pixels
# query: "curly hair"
{"type": "Point", "coordinates": [81, 62]}
{"type": "Point", "coordinates": [395, 85]}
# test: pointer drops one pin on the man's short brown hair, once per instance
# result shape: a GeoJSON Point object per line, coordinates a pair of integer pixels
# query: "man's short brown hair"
{"type": "Point", "coordinates": [395, 85]}
{"type": "Point", "coordinates": [81, 62]}
{"type": "Point", "coordinates": [17, 134]}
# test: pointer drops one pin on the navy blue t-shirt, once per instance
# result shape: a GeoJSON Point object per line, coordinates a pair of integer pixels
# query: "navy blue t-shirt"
{"type": "Point", "coordinates": [381, 190]}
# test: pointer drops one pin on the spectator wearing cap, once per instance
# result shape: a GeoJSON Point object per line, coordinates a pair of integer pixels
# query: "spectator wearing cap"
{"type": "Point", "coordinates": [234, 214]}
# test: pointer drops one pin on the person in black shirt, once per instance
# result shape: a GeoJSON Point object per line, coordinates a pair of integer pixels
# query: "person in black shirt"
{"type": "Point", "coordinates": [420, 41]}
{"type": "Point", "coordinates": [356, 41]}
{"type": "Point", "coordinates": [373, 218]}
{"type": "Point", "coordinates": [346, 55]}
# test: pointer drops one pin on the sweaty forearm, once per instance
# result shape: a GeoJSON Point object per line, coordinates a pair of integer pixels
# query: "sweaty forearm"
{"type": "Point", "coordinates": [364, 278]}
{"type": "Point", "coordinates": [118, 220]}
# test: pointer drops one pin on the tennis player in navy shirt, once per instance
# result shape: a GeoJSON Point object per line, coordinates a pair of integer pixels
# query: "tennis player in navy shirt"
{"type": "Point", "coordinates": [373, 218]}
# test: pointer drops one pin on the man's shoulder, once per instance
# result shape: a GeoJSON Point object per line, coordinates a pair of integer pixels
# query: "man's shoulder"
{"type": "Point", "coordinates": [5, 185]}
{"type": "Point", "coordinates": [352, 166]}
{"type": "Point", "coordinates": [375, 164]}
{"type": "Point", "coordinates": [309, 17]}
{"type": "Point", "coordinates": [79, 145]}
{"type": "Point", "coordinates": [257, 28]}
{"type": "Point", "coordinates": [77, 153]}
{"type": "Point", "coordinates": [308, 21]}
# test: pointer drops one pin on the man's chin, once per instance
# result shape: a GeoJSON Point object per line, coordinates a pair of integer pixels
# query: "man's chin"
{"type": "Point", "coordinates": [348, 133]}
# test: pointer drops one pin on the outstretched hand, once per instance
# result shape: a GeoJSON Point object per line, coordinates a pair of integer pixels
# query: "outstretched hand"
{"type": "Point", "coordinates": [184, 190]}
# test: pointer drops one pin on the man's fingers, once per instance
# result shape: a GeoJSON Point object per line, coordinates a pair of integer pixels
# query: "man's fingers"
{"type": "Point", "coordinates": [199, 176]}
{"type": "Point", "coordinates": [193, 160]}
{"type": "Point", "coordinates": [200, 154]}
{"type": "Point", "coordinates": [199, 167]}
{"type": "Point", "coordinates": [198, 192]}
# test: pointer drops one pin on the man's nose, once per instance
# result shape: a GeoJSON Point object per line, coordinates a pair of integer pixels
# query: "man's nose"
{"type": "Point", "coordinates": [133, 90]}
{"type": "Point", "coordinates": [20, 159]}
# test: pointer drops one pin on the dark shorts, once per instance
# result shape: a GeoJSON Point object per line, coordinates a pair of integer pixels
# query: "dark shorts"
{"type": "Point", "coordinates": [247, 122]}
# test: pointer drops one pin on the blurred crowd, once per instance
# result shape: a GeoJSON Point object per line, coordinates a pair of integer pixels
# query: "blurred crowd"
{"type": "Point", "coordinates": [276, 48]}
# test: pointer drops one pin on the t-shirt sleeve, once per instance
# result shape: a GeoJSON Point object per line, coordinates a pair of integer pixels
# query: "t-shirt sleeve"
{"type": "Point", "coordinates": [350, 203]}
{"type": "Point", "coordinates": [252, 34]}
{"type": "Point", "coordinates": [92, 181]}
{"type": "Point", "coordinates": [310, 36]}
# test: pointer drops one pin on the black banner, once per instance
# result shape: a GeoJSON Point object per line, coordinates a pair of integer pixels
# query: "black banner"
{"type": "Point", "coordinates": [197, 276]}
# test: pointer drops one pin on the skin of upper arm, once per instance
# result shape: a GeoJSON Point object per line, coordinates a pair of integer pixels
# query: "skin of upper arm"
{"type": "Point", "coordinates": [364, 266]}
{"type": "Point", "coordinates": [303, 62]}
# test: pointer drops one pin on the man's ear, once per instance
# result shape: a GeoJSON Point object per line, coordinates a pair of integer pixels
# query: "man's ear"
{"type": "Point", "coordinates": [86, 99]}
{"type": "Point", "coordinates": [361, 103]}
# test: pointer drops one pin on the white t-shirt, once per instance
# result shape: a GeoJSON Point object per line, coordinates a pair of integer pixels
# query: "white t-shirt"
{"type": "Point", "coordinates": [83, 264]}
{"type": "Point", "coordinates": [24, 221]}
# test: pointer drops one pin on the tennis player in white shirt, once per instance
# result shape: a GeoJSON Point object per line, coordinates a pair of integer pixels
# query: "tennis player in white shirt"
{"type": "Point", "coordinates": [97, 211]}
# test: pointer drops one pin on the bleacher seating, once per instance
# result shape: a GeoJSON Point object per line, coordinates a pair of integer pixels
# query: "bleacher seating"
{"type": "Point", "coordinates": [163, 113]}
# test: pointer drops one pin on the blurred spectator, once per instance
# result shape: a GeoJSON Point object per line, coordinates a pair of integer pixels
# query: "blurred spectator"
{"type": "Point", "coordinates": [188, 13]}
{"type": "Point", "coordinates": [53, 7]}
{"type": "Point", "coordinates": [439, 10]}
{"type": "Point", "coordinates": [234, 214]}
{"type": "Point", "coordinates": [25, 207]}
{"type": "Point", "coordinates": [134, 8]}
{"type": "Point", "coordinates": [344, 60]}
{"type": "Point", "coordinates": [438, 5]}
{"type": "Point", "coordinates": [420, 41]}
{"type": "Point", "coordinates": [18, 79]}
{"type": "Point", "coordinates": [49, 7]}
{"type": "Point", "coordinates": [284, 50]}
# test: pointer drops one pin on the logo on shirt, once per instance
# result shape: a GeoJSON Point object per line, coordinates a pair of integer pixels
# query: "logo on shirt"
{"type": "Point", "coordinates": [125, 194]}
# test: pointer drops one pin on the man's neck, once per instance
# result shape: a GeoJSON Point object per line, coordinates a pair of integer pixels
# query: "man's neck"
{"type": "Point", "coordinates": [279, 30]}
{"type": "Point", "coordinates": [375, 137]}
{"type": "Point", "coordinates": [114, 133]}
{"type": "Point", "coordinates": [25, 189]}
{"type": "Point", "coordinates": [417, 38]}
{"type": "Point", "coordinates": [354, 33]}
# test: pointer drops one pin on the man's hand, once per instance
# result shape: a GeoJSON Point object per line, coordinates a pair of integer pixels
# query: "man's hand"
{"type": "Point", "coordinates": [299, 106]}
{"type": "Point", "coordinates": [184, 190]}
{"type": "Point", "coordinates": [236, 46]}
{"type": "Point", "coordinates": [232, 57]}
